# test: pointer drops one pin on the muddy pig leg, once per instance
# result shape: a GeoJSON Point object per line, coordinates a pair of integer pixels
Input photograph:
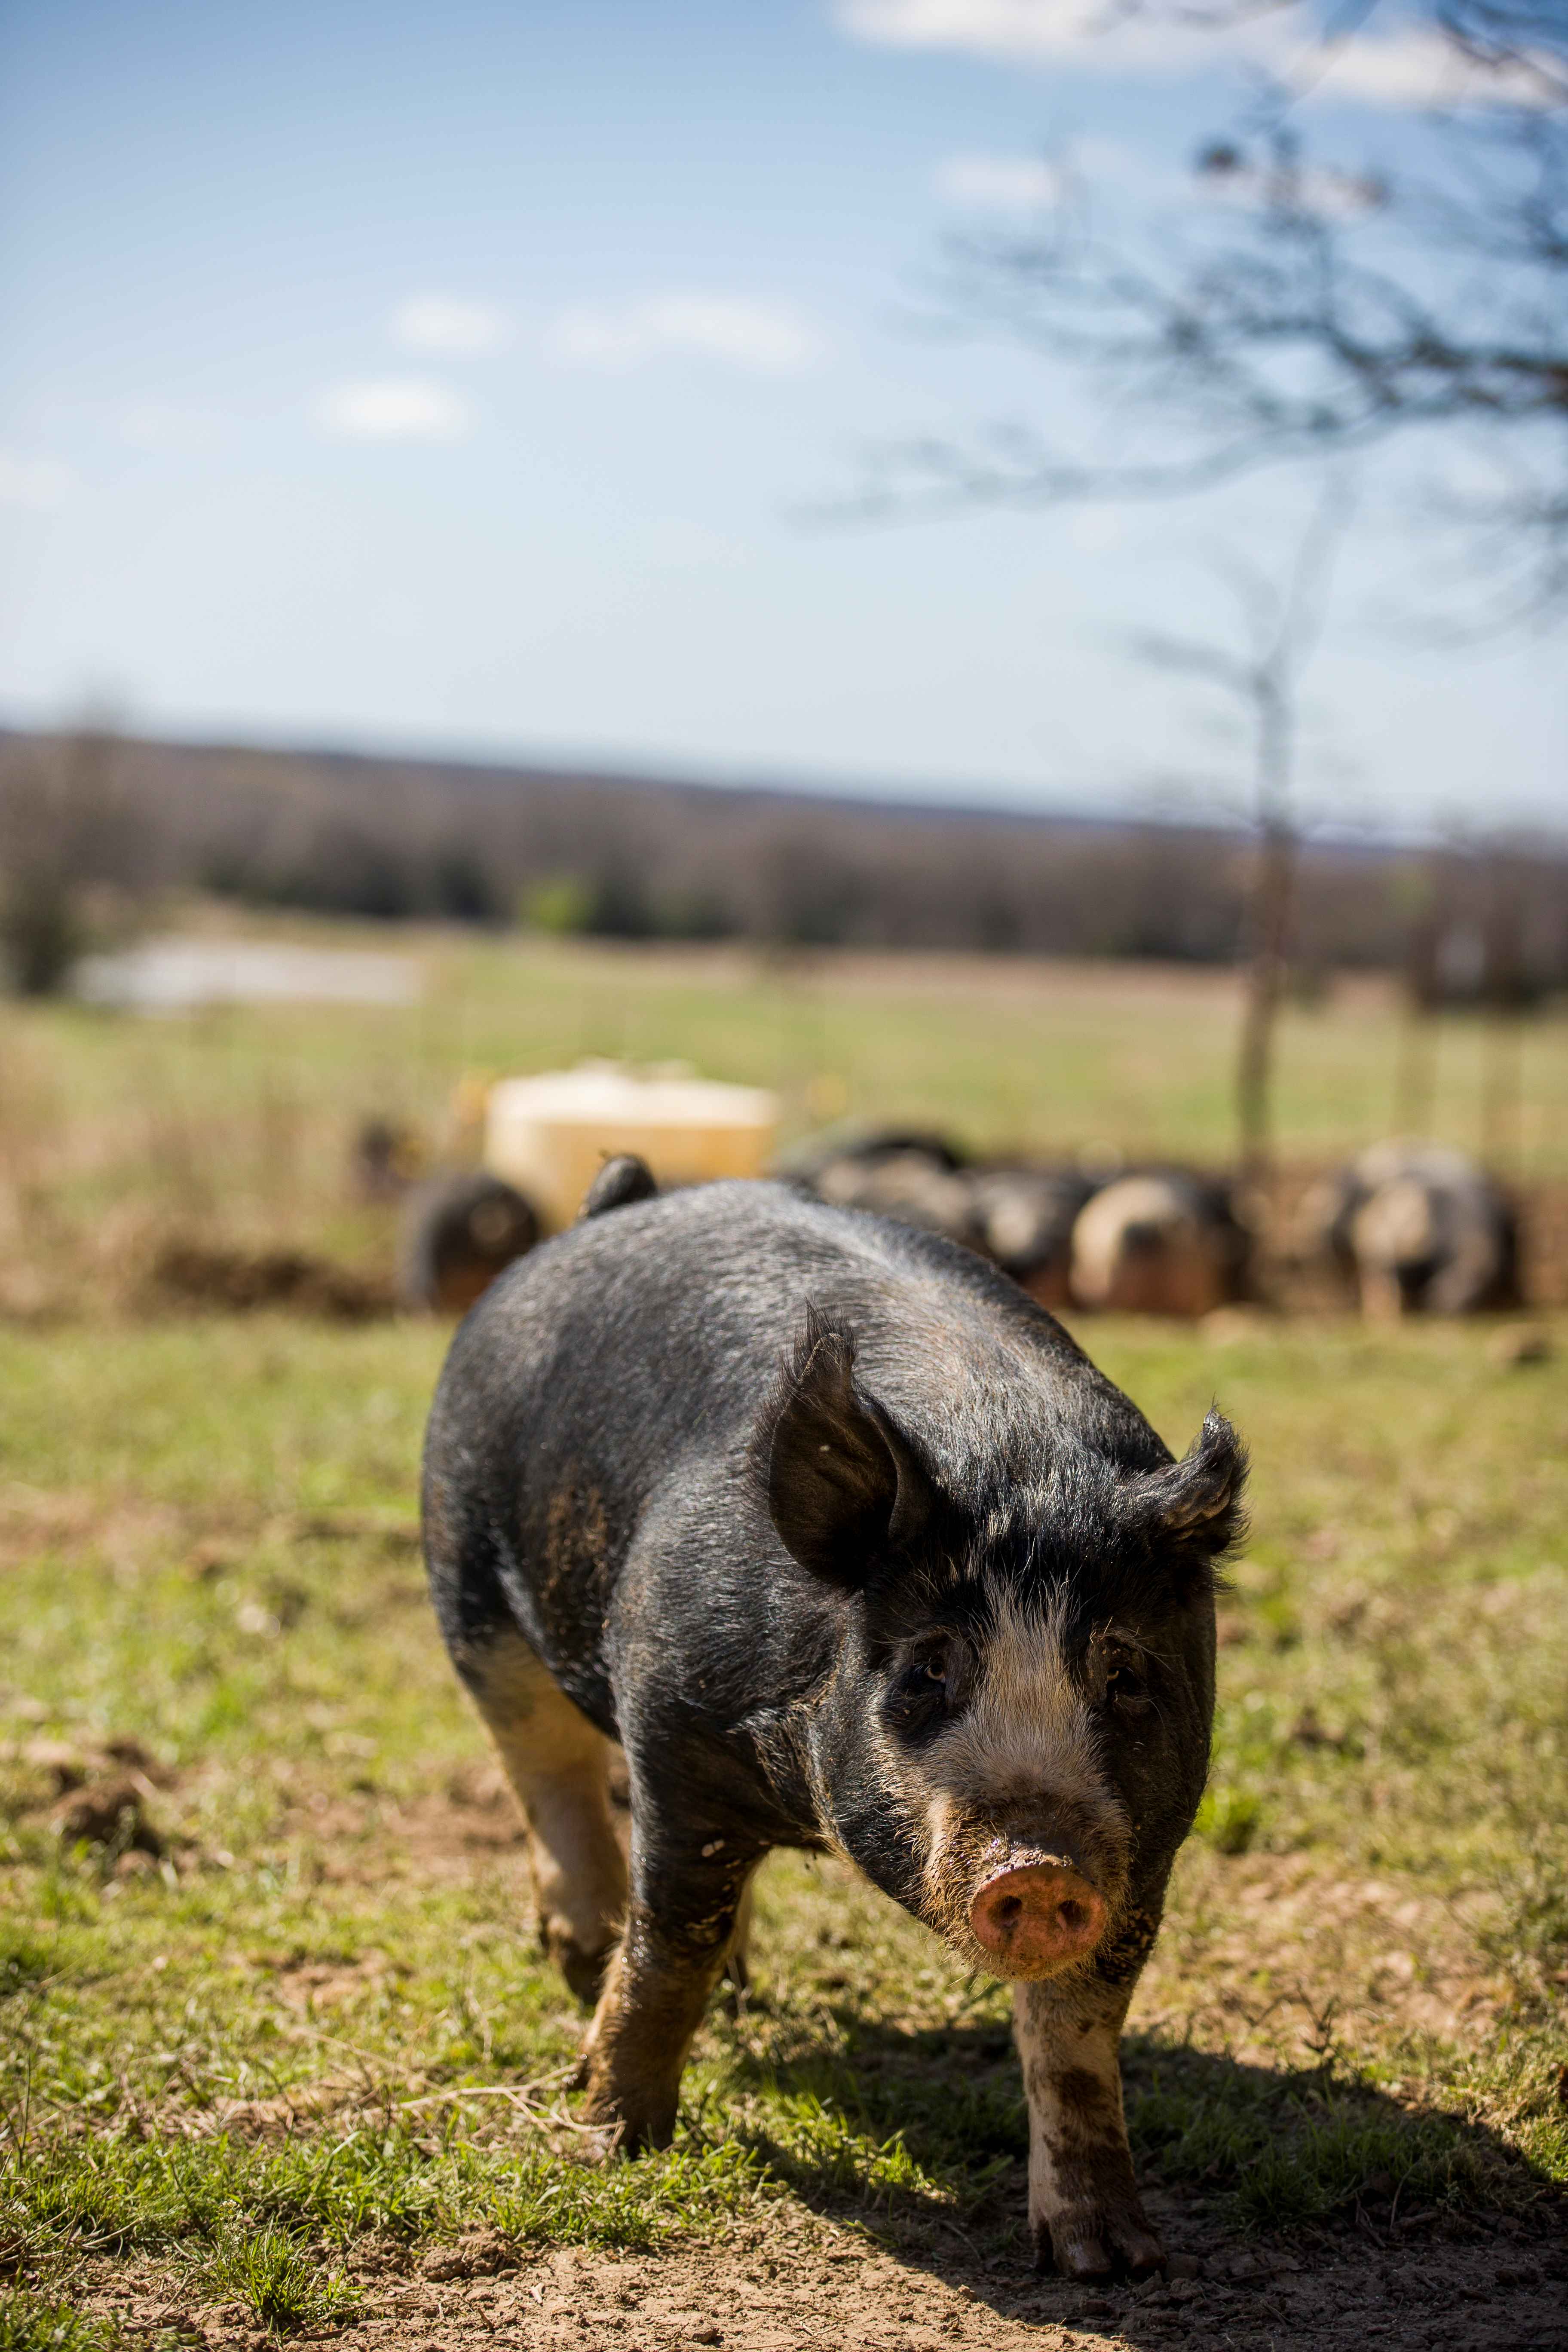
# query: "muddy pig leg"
{"type": "Point", "coordinates": [681, 1929]}
{"type": "Point", "coordinates": [560, 1766]}
{"type": "Point", "coordinates": [1084, 2207]}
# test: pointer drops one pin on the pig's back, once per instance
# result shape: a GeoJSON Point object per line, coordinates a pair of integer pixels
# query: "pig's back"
{"type": "Point", "coordinates": [664, 1323]}
{"type": "Point", "coordinates": [619, 1371]}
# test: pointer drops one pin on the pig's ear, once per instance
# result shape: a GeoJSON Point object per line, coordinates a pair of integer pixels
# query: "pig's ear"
{"type": "Point", "coordinates": [844, 1487]}
{"type": "Point", "coordinates": [1192, 1511]}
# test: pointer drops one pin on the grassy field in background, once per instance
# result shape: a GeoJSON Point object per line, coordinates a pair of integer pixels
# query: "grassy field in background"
{"type": "Point", "coordinates": [238, 1121]}
{"type": "Point", "coordinates": [237, 2065]}
{"type": "Point", "coordinates": [242, 2051]}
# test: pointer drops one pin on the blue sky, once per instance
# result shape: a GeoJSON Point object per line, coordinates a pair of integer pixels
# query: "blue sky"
{"type": "Point", "coordinates": [457, 378]}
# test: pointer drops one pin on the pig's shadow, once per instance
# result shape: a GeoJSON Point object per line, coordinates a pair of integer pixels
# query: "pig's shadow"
{"type": "Point", "coordinates": [923, 2136]}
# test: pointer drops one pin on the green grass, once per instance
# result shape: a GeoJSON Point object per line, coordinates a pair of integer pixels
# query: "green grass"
{"type": "Point", "coordinates": [272, 2273]}
{"type": "Point", "coordinates": [33, 2322]}
{"type": "Point", "coordinates": [205, 1544]}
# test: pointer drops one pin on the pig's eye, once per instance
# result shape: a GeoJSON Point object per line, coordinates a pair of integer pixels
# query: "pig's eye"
{"type": "Point", "coordinates": [1125, 1687]}
{"type": "Point", "coordinates": [928, 1677]}
{"type": "Point", "coordinates": [927, 1691]}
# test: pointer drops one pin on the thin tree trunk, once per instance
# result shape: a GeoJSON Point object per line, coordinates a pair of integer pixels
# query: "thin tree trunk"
{"type": "Point", "coordinates": [1266, 981]}
{"type": "Point", "coordinates": [1273, 892]}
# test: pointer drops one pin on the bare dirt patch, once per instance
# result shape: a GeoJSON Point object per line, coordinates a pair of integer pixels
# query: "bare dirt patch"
{"type": "Point", "coordinates": [817, 2288]}
{"type": "Point", "coordinates": [239, 1281]}
{"type": "Point", "coordinates": [1274, 1950]}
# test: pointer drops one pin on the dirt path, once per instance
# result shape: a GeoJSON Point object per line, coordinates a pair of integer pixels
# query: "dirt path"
{"type": "Point", "coordinates": [1502, 2290]}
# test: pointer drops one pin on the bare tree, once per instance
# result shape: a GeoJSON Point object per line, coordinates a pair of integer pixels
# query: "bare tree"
{"type": "Point", "coordinates": [1327, 311]}
{"type": "Point", "coordinates": [64, 827]}
{"type": "Point", "coordinates": [1279, 624]}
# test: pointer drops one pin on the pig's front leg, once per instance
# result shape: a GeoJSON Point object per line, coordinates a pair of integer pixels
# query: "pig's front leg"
{"type": "Point", "coordinates": [1084, 2208]}
{"type": "Point", "coordinates": [680, 1928]}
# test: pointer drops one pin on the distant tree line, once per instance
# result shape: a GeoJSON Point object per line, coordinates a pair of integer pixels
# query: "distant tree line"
{"type": "Point", "coordinates": [616, 859]}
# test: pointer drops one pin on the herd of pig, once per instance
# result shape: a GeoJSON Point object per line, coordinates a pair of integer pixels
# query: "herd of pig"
{"type": "Point", "coordinates": [1412, 1227]}
{"type": "Point", "coordinates": [790, 1508]}
{"type": "Point", "coordinates": [1405, 1228]}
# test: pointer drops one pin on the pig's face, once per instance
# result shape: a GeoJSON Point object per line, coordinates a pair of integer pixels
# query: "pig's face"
{"type": "Point", "coordinates": [1017, 1735]}
{"type": "Point", "coordinates": [1040, 1747]}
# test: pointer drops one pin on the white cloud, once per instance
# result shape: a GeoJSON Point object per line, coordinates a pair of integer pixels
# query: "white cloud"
{"type": "Point", "coordinates": [39, 484]}
{"type": "Point", "coordinates": [1028, 30]}
{"type": "Point", "coordinates": [1413, 67]}
{"type": "Point", "coordinates": [1000, 183]}
{"type": "Point", "coordinates": [393, 408]}
{"type": "Point", "coordinates": [453, 329]}
{"type": "Point", "coordinates": [763, 338]}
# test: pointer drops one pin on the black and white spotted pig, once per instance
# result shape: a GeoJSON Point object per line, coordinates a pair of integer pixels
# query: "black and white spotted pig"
{"type": "Point", "coordinates": [849, 1547]}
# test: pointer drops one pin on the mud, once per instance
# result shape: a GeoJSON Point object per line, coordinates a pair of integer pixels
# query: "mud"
{"type": "Point", "coordinates": [238, 1281]}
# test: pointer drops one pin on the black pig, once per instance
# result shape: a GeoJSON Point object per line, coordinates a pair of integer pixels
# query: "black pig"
{"type": "Point", "coordinates": [851, 1548]}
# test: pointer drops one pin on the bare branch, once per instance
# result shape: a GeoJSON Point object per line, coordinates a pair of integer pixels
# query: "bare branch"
{"type": "Point", "coordinates": [1280, 624]}
{"type": "Point", "coordinates": [1187, 656]}
{"type": "Point", "coordinates": [1334, 314]}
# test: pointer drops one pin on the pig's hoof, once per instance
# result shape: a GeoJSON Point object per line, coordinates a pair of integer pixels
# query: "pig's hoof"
{"type": "Point", "coordinates": [630, 2126]}
{"type": "Point", "coordinates": [583, 1971]}
{"type": "Point", "coordinates": [1094, 2246]}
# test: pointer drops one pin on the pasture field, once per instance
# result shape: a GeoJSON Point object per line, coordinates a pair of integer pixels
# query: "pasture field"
{"type": "Point", "coordinates": [280, 2058]}
{"type": "Point", "coordinates": [301, 2066]}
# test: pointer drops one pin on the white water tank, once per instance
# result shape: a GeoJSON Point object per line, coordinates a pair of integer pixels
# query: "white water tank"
{"type": "Point", "coordinates": [551, 1135]}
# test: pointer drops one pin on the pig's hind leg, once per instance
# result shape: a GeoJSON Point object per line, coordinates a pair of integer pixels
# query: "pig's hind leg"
{"type": "Point", "coordinates": [1085, 2213]}
{"type": "Point", "coordinates": [561, 1768]}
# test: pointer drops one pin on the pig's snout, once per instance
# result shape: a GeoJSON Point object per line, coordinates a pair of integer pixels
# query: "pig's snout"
{"type": "Point", "coordinates": [1035, 1918]}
